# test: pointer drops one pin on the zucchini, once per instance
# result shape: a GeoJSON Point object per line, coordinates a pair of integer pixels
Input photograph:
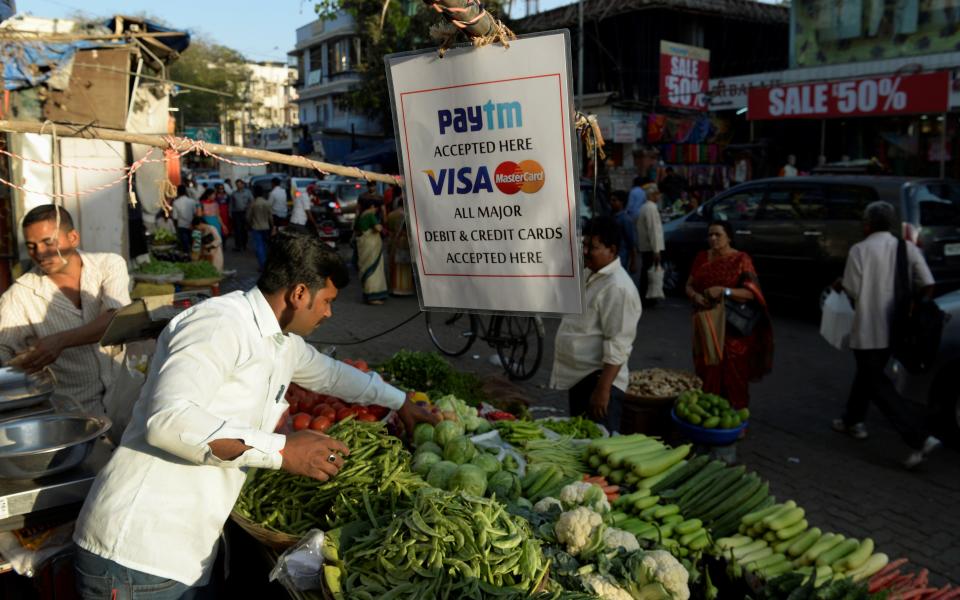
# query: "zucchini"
{"type": "Point", "coordinates": [759, 515]}
{"type": "Point", "coordinates": [700, 542]}
{"type": "Point", "coordinates": [688, 470]}
{"type": "Point", "coordinates": [767, 561]}
{"type": "Point", "coordinates": [728, 523]}
{"type": "Point", "coordinates": [781, 546]}
{"type": "Point", "coordinates": [741, 551]}
{"type": "Point", "coordinates": [755, 555]}
{"type": "Point", "coordinates": [632, 480]}
{"type": "Point", "coordinates": [825, 543]}
{"type": "Point", "coordinates": [604, 470]}
{"type": "Point", "coordinates": [689, 537]}
{"type": "Point", "coordinates": [856, 558]}
{"type": "Point", "coordinates": [647, 513]}
{"type": "Point", "coordinates": [729, 543]}
{"type": "Point", "coordinates": [644, 503]}
{"type": "Point", "coordinates": [841, 550]}
{"type": "Point", "coordinates": [666, 511]}
{"type": "Point", "coordinates": [618, 517]}
{"type": "Point", "coordinates": [870, 567]}
{"type": "Point", "coordinates": [616, 476]}
{"type": "Point", "coordinates": [674, 519]}
{"type": "Point", "coordinates": [770, 537]}
{"type": "Point", "coordinates": [776, 570]}
{"type": "Point", "coordinates": [804, 542]}
{"type": "Point", "coordinates": [785, 509]}
{"type": "Point", "coordinates": [688, 526]}
{"type": "Point", "coordinates": [628, 499]}
{"type": "Point", "coordinates": [594, 461]}
{"type": "Point", "coordinates": [704, 485]}
{"type": "Point", "coordinates": [655, 479]}
{"type": "Point", "coordinates": [619, 458]}
{"type": "Point", "coordinates": [660, 463]}
{"type": "Point", "coordinates": [788, 533]}
{"type": "Point", "coordinates": [785, 520]}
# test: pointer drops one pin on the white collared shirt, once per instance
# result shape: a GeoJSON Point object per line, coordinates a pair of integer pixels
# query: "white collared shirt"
{"type": "Point", "coordinates": [603, 334]}
{"type": "Point", "coordinates": [301, 204]}
{"type": "Point", "coordinates": [649, 229]}
{"type": "Point", "coordinates": [34, 307]}
{"type": "Point", "coordinates": [278, 201]}
{"type": "Point", "coordinates": [219, 372]}
{"type": "Point", "coordinates": [869, 279]}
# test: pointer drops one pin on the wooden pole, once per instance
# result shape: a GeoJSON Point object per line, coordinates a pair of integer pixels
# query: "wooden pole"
{"type": "Point", "coordinates": [470, 17]}
{"type": "Point", "coordinates": [157, 141]}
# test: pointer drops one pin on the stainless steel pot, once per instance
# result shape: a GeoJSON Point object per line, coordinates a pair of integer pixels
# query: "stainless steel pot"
{"type": "Point", "coordinates": [20, 390]}
{"type": "Point", "coordinates": [41, 445]}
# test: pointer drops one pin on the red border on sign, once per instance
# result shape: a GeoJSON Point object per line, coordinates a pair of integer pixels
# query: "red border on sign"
{"type": "Point", "coordinates": [413, 199]}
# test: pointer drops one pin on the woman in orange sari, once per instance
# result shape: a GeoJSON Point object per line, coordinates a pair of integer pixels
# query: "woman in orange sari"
{"type": "Point", "coordinates": [725, 361]}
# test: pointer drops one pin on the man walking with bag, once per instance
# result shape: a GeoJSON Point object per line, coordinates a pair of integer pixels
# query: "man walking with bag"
{"type": "Point", "coordinates": [869, 280]}
{"type": "Point", "coordinates": [649, 239]}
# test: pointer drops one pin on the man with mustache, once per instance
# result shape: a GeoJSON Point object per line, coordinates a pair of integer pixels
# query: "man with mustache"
{"type": "Point", "coordinates": [54, 314]}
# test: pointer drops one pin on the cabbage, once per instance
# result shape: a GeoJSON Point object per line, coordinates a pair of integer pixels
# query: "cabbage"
{"type": "Point", "coordinates": [469, 479]}
{"type": "Point", "coordinates": [422, 433]}
{"type": "Point", "coordinates": [430, 447]}
{"type": "Point", "coordinates": [474, 423]}
{"type": "Point", "coordinates": [440, 474]}
{"type": "Point", "coordinates": [505, 485]}
{"type": "Point", "coordinates": [446, 431]}
{"type": "Point", "coordinates": [487, 462]}
{"type": "Point", "coordinates": [483, 426]}
{"type": "Point", "coordinates": [423, 463]}
{"type": "Point", "coordinates": [459, 450]}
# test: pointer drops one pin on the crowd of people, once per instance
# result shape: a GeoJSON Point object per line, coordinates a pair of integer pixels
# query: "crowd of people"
{"type": "Point", "coordinates": [204, 218]}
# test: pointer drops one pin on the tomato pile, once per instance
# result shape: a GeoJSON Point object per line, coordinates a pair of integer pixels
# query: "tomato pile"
{"type": "Point", "coordinates": [319, 411]}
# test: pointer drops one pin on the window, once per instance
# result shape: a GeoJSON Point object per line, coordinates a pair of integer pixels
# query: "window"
{"type": "Point", "coordinates": [847, 202]}
{"type": "Point", "coordinates": [938, 203]}
{"type": "Point", "coordinates": [316, 58]}
{"type": "Point", "coordinates": [791, 203]}
{"type": "Point", "coordinates": [740, 206]}
{"type": "Point", "coordinates": [338, 57]}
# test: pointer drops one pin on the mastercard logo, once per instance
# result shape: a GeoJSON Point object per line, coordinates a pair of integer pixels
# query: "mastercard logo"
{"type": "Point", "coordinates": [526, 176]}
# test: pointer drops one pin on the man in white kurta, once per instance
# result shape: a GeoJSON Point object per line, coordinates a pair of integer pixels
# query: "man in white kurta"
{"type": "Point", "coordinates": [55, 314]}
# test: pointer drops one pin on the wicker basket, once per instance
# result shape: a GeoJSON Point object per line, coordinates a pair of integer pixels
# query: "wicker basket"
{"type": "Point", "coordinates": [271, 539]}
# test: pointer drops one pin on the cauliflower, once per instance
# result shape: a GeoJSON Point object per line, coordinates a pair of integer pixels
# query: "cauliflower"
{"type": "Point", "coordinates": [605, 587]}
{"type": "Point", "coordinates": [659, 576]}
{"type": "Point", "coordinates": [586, 494]}
{"type": "Point", "coordinates": [578, 529]}
{"type": "Point", "coordinates": [547, 505]}
{"type": "Point", "coordinates": [617, 538]}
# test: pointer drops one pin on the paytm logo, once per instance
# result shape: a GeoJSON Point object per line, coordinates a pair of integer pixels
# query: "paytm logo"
{"type": "Point", "coordinates": [500, 115]}
{"type": "Point", "coordinates": [509, 177]}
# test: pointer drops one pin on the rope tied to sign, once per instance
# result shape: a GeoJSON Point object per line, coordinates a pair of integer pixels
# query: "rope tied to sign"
{"type": "Point", "coordinates": [471, 18]}
{"type": "Point", "coordinates": [589, 130]}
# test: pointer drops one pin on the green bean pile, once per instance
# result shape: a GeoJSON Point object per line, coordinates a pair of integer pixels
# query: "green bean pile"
{"type": "Point", "coordinates": [447, 545]}
{"type": "Point", "coordinates": [561, 453]}
{"type": "Point", "coordinates": [578, 427]}
{"type": "Point", "coordinates": [518, 432]}
{"type": "Point", "coordinates": [375, 480]}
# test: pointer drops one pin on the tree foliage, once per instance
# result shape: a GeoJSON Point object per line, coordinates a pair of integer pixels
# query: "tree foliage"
{"type": "Point", "coordinates": [385, 27]}
{"type": "Point", "coordinates": [209, 65]}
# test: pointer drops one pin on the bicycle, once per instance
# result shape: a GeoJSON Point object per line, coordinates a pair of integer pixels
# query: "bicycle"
{"type": "Point", "coordinates": [513, 337]}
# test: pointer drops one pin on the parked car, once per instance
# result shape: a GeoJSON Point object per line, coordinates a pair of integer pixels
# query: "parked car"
{"type": "Point", "coordinates": [798, 230]}
{"type": "Point", "coordinates": [939, 388]}
{"type": "Point", "coordinates": [345, 193]}
{"type": "Point", "coordinates": [262, 184]}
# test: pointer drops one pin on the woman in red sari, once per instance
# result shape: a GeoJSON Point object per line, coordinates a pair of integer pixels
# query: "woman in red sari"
{"type": "Point", "coordinates": [726, 362]}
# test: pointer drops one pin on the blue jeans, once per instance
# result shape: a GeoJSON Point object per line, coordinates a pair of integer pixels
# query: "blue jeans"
{"type": "Point", "coordinates": [185, 237]}
{"type": "Point", "coordinates": [102, 579]}
{"type": "Point", "coordinates": [260, 240]}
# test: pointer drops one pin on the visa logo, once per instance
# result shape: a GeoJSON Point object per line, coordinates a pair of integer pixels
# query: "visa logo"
{"type": "Point", "coordinates": [502, 115]}
{"type": "Point", "coordinates": [460, 181]}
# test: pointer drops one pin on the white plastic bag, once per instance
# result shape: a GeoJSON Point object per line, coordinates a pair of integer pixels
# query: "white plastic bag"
{"type": "Point", "coordinates": [300, 567]}
{"type": "Point", "coordinates": [837, 320]}
{"type": "Point", "coordinates": [655, 283]}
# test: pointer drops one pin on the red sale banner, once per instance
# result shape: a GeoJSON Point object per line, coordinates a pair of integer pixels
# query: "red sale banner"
{"type": "Point", "coordinates": [684, 75]}
{"type": "Point", "coordinates": [879, 95]}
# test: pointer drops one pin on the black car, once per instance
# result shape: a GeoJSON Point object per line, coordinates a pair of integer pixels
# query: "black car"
{"type": "Point", "coordinates": [798, 230]}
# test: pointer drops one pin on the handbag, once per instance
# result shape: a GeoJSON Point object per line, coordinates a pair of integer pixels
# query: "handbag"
{"type": "Point", "coordinates": [741, 317]}
{"type": "Point", "coordinates": [655, 283]}
{"type": "Point", "coordinates": [917, 325]}
{"type": "Point", "coordinates": [836, 322]}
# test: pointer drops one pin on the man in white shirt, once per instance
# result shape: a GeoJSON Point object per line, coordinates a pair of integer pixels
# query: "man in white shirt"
{"type": "Point", "coordinates": [592, 349]}
{"type": "Point", "coordinates": [240, 199]}
{"type": "Point", "coordinates": [649, 237]}
{"type": "Point", "coordinates": [869, 281]}
{"type": "Point", "coordinates": [301, 213]}
{"type": "Point", "coordinates": [278, 200]}
{"type": "Point", "coordinates": [183, 209]}
{"type": "Point", "coordinates": [214, 393]}
{"type": "Point", "coordinates": [55, 314]}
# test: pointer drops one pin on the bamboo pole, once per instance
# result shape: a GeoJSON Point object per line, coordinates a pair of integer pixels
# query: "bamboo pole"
{"type": "Point", "coordinates": [157, 141]}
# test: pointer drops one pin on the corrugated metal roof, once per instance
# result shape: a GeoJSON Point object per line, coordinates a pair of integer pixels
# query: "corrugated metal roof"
{"type": "Point", "coordinates": [598, 10]}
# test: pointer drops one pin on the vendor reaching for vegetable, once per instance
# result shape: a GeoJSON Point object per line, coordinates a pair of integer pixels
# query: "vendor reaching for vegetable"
{"type": "Point", "coordinates": [592, 349]}
{"type": "Point", "coordinates": [213, 395]}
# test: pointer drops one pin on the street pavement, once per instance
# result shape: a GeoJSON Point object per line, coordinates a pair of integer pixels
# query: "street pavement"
{"type": "Point", "coordinates": [856, 488]}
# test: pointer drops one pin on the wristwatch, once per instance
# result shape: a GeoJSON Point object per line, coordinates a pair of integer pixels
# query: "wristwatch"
{"type": "Point", "coordinates": [727, 292]}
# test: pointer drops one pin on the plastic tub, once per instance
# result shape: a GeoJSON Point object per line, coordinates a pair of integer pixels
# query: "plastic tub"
{"type": "Point", "coordinates": [707, 437]}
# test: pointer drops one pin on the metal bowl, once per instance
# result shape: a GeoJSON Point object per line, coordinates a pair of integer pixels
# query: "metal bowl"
{"type": "Point", "coordinates": [20, 390]}
{"type": "Point", "coordinates": [42, 445]}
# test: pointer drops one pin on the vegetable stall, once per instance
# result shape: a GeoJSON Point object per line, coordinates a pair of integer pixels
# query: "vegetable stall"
{"type": "Point", "coordinates": [491, 503]}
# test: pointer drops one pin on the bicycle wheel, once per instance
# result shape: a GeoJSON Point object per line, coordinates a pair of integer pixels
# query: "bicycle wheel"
{"type": "Point", "coordinates": [519, 344]}
{"type": "Point", "coordinates": [451, 333]}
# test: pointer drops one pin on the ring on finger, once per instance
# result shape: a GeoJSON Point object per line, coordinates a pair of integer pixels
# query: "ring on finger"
{"type": "Point", "coordinates": [332, 458]}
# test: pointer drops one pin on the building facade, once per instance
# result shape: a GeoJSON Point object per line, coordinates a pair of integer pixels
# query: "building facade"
{"type": "Point", "coordinates": [269, 117]}
{"type": "Point", "coordinates": [326, 57]}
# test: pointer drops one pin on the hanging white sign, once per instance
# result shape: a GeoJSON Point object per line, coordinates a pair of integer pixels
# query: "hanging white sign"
{"type": "Point", "coordinates": [485, 141]}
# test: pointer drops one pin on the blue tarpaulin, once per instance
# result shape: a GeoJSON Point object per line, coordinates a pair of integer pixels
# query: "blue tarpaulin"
{"type": "Point", "coordinates": [27, 64]}
{"type": "Point", "coordinates": [383, 153]}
